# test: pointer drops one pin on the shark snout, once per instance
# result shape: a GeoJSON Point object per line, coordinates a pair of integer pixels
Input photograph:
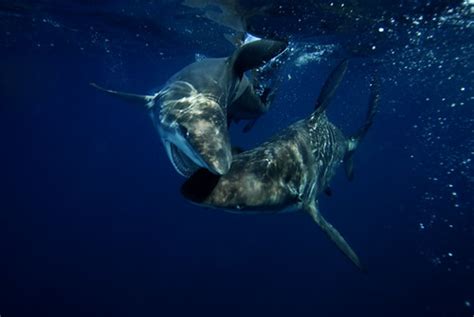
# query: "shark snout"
{"type": "Point", "coordinates": [212, 148]}
{"type": "Point", "coordinates": [219, 163]}
{"type": "Point", "coordinates": [196, 136]}
{"type": "Point", "coordinates": [199, 146]}
{"type": "Point", "coordinates": [206, 134]}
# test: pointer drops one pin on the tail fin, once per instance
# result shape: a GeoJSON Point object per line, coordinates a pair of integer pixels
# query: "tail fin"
{"type": "Point", "coordinates": [146, 101]}
{"type": "Point", "coordinates": [354, 140]}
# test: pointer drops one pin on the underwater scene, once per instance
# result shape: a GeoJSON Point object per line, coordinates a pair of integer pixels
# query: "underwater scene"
{"type": "Point", "coordinates": [237, 158]}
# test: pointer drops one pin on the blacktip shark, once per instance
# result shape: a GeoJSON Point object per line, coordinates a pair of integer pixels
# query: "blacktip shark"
{"type": "Point", "coordinates": [291, 170]}
{"type": "Point", "coordinates": [192, 110]}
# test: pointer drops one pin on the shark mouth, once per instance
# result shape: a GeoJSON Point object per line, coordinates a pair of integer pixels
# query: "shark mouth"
{"type": "Point", "coordinates": [199, 186]}
{"type": "Point", "coordinates": [181, 162]}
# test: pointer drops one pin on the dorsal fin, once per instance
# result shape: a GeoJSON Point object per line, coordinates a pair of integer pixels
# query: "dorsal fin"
{"type": "Point", "coordinates": [330, 86]}
{"type": "Point", "coordinates": [255, 54]}
{"type": "Point", "coordinates": [146, 101]}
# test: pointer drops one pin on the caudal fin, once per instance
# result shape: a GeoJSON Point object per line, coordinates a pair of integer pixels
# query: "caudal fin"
{"type": "Point", "coordinates": [146, 101]}
{"type": "Point", "coordinates": [355, 139]}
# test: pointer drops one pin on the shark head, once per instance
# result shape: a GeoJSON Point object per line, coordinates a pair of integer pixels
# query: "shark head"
{"type": "Point", "coordinates": [193, 128]}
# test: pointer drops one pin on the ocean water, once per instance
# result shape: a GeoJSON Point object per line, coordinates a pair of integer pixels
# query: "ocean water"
{"type": "Point", "coordinates": [92, 222]}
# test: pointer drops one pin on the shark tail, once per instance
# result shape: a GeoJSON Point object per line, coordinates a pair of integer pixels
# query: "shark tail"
{"type": "Point", "coordinates": [146, 101]}
{"type": "Point", "coordinates": [357, 137]}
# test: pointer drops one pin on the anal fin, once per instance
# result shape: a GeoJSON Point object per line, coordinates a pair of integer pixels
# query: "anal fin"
{"type": "Point", "coordinates": [334, 235]}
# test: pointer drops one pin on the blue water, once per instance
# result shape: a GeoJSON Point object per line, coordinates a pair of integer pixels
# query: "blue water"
{"type": "Point", "coordinates": [92, 222]}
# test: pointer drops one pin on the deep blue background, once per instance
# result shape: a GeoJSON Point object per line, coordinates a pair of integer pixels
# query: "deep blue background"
{"type": "Point", "coordinates": [92, 223]}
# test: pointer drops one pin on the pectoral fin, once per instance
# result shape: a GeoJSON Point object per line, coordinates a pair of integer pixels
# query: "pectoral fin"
{"type": "Point", "coordinates": [142, 100]}
{"type": "Point", "coordinates": [334, 235]}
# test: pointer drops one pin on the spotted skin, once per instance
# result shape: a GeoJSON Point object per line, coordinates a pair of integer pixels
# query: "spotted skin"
{"type": "Point", "coordinates": [288, 172]}
{"type": "Point", "coordinates": [283, 174]}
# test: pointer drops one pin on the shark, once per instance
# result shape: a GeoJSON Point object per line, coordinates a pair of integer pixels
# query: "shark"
{"type": "Point", "coordinates": [289, 171]}
{"type": "Point", "coordinates": [192, 111]}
